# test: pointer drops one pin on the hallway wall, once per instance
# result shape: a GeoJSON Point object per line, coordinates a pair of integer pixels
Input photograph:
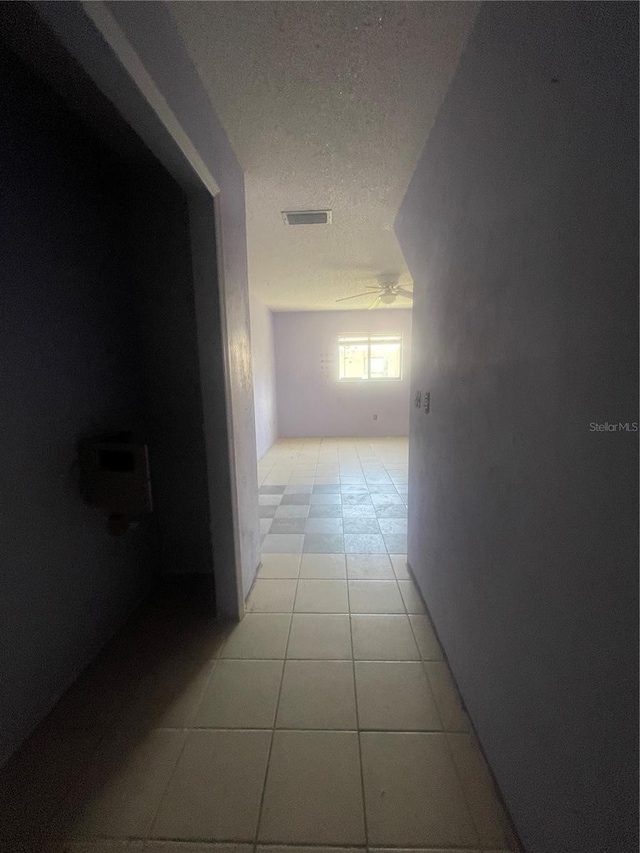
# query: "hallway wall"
{"type": "Point", "coordinates": [151, 30]}
{"type": "Point", "coordinates": [264, 375]}
{"type": "Point", "coordinates": [520, 228]}
{"type": "Point", "coordinates": [311, 401]}
{"type": "Point", "coordinates": [71, 366]}
{"type": "Point", "coordinates": [155, 222]}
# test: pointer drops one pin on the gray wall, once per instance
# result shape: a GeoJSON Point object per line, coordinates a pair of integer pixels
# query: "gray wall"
{"type": "Point", "coordinates": [157, 246]}
{"type": "Point", "coordinates": [134, 54]}
{"type": "Point", "coordinates": [520, 229]}
{"type": "Point", "coordinates": [152, 32]}
{"type": "Point", "coordinates": [70, 367]}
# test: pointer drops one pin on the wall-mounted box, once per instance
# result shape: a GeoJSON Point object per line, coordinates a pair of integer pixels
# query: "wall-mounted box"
{"type": "Point", "coordinates": [115, 477]}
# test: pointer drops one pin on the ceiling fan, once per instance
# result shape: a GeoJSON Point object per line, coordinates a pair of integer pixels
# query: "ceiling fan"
{"type": "Point", "coordinates": [386, 292]}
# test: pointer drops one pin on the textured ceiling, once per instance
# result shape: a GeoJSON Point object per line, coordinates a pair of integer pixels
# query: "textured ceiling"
{"type": "Point", "coordinates": [327, 105]}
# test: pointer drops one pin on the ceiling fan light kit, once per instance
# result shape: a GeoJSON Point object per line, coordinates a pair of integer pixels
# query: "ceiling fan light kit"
{"type": "Point", "coordinates": [386, 292]}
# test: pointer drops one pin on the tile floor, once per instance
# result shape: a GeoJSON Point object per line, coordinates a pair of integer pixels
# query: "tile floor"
{"type": "Point", "coordinates": [326, 719]}
{"type": "Point", "coordinates": [334, 497]}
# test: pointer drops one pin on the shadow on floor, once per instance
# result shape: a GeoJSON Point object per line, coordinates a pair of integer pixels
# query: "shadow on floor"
{"type": "Point", "coordinates": [150, 676]}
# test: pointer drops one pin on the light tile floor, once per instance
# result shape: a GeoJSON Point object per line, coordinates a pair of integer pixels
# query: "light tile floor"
{"type": "Point", "coordinates": [326, 719]}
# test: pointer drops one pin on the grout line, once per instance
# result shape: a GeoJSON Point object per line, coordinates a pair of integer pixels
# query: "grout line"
{"type": "Point", "coordinates": [462, 788]}
{"type": "Point", "coordinates": [355, 694]}
{"type": "Point", "coordinates": [277, 708]}
{"type": "Point", "coordinates": [340, 847]}
{"type": "Point", "coordinates": [272, 845]}
{"type": "Point", "coordinates": [185, 735]}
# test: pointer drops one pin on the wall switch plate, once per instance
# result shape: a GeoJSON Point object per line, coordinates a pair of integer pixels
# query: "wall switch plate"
{"type": "Point", "coordinates": [417, 400]}
{"type": "Point", "coordinates": [375, 417]}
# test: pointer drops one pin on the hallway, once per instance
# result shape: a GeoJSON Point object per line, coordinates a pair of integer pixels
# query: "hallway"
{"type": "Point", "coordinates": [326, 717]}
{"type": "Point", "coordinates": [365, 697]}
{"type": "Point", "coordinates": [229, 222]}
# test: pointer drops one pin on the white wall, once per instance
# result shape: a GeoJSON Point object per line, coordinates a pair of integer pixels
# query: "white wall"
{"type": "Point", "coordinates": [522, 222]}
{"type": "Point", "coordinates": [311, 401]}
{"type": "Point", "coordinates": [264, 375]}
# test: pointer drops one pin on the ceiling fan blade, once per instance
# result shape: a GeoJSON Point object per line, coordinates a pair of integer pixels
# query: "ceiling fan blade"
{"type": "Point", "coordinates": [401, 292]}
{"type": "Point", "coordinates": [375, 303]}
{"type": "Point", "coordinates": [344, 298]}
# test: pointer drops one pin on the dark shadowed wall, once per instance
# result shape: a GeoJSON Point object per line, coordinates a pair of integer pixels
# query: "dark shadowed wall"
{"type": "Point", "coordinates": [70, 366]}
{"type": "Point", "coordinates": [99, 334]}
{"type": "Point", "coordinates": [150, 29]}
{"type": "Point", "coordinates": [157, 242]}
{"type": "Point", "coordinates": [520, 228]}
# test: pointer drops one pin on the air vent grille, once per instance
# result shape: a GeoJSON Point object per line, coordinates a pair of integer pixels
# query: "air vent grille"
{"type": "Point", "coordinates": [306, 217]}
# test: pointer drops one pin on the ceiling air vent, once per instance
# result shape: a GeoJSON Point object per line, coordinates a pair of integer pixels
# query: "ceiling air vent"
{"type": "Point", "coordinates": [306, 217]}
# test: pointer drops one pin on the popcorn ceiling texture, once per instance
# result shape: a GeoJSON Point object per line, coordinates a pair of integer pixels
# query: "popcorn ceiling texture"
{"type": "Point", "coordinates": [327, 105]}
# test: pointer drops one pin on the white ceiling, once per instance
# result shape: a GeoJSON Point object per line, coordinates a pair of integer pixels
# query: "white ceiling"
{"type": "Point", "coordinates": [327, 105]}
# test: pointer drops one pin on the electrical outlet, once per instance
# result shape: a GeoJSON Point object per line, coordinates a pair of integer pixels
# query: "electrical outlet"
{"type": "Point", "coordinates": [427, 402]}
{"type": "Point", "coordinates": [417, 400]}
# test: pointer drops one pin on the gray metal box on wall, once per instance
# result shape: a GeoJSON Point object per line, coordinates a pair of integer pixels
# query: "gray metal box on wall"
{"type": "Point", "coordinates": [115, 477]}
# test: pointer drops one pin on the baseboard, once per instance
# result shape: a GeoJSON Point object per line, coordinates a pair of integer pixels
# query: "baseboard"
{"type": "Point", "coordinates": [514, 831]}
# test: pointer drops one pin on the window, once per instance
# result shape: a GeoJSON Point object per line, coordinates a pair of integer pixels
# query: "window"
{"type": "Point", "coordinates": [370, 357]}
